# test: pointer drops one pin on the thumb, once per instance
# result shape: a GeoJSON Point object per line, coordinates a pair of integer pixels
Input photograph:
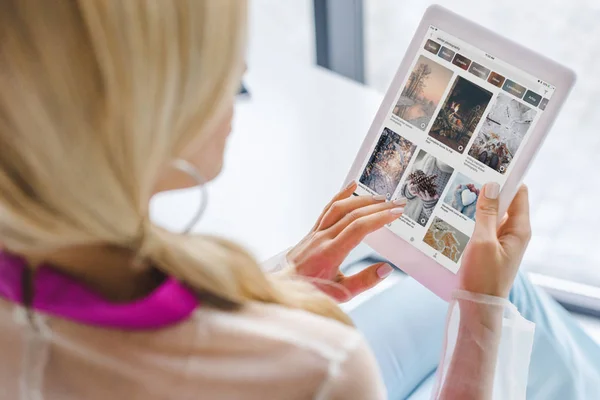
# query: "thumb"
{"type": "Point", "coordinates": [366, 278]}
{"type": "Point", "coordinates": [487, 211]}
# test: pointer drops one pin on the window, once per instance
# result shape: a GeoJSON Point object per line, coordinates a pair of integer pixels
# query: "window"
{"type": "Point", "coordinates": [281, 29]}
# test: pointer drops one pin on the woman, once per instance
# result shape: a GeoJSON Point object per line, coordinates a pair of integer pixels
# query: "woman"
{"type": "Point", "coordinates": [105, 103]}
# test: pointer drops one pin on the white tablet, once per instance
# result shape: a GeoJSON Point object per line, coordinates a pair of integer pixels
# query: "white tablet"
{"type": "Point", "coordinates": [466, 107]}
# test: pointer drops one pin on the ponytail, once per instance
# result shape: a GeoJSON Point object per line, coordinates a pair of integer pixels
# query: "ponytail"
{"type": "Point", "coordinates": [226, 276]}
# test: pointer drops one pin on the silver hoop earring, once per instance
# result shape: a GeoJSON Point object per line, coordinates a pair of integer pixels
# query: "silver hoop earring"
{"type": "Point", "coordinates": [191, 170]}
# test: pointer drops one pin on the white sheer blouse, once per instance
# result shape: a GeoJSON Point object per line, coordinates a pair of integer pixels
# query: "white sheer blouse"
{"type": "Point", "coordinates": [264, 352]}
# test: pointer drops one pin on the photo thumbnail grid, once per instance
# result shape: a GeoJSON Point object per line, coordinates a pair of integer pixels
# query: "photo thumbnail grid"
{"type": "Point", "coordinates": [470, 123]}
{"type": "Point", "coordinates": [504, 127]}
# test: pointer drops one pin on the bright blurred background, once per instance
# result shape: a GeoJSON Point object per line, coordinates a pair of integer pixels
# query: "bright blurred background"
{"type": "Point", "coordinates": [564, 181]}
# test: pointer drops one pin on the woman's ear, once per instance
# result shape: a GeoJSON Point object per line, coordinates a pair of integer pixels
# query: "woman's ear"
{"type": "Point", "coordinates": [173, 179]}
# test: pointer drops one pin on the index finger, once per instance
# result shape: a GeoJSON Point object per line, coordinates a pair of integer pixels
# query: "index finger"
{"type": "Point", "coordinates": [343, 194]}
{"type": "Point", "coordinates": [343, 208]}
{"type": "Point", "coordinates": [355, 232]}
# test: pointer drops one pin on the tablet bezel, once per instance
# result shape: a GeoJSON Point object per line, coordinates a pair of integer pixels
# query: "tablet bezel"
{"type": "Point", "coordinates": [427, 271]}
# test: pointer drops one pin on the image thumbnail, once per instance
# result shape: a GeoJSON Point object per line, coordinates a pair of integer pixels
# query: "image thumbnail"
{"type": "Point", "coordinates": [460, 114]}
{"type": "Point", "coordinates": [424, 186]}
{"type": "Point", "coordinates": [387, 163]}
{"type": "Point", "coordinates": [463, 194]}
{"type": "Point", "coordinates": [422, 93]}
{"type": "Point", "coordinates": [446, 239]}
{"type": "Point", "coordinates": [502, 133]}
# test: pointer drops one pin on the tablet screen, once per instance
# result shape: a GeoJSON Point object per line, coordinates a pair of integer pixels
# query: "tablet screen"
{"type": "Point", "coordinates": [459, 120]}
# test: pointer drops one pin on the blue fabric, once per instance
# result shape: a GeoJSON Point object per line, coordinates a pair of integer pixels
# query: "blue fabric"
{"type": "Point", "coordinates": [405, 323]}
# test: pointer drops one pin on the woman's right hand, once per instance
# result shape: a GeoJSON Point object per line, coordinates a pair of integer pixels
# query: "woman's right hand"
{"type": "Point", "coordinates": [493, 255]}
{"type": "Point", "coordinates": [343, 224]}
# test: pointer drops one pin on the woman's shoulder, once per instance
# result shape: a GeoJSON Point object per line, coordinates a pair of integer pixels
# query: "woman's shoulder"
{"type": "Point", "coordinates": [278, 326]}
{"type": "Point", "coordinates": [286, 351]}
{"type": "Point", "coordinates": [261, 351]}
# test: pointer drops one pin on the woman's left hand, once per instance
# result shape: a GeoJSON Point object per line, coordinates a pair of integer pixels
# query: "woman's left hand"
{"type": "Point", "coordinates": [343, 224]}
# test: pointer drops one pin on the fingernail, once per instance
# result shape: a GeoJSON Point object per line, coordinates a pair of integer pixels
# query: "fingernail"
{"type": "Point", "coordinates": [397, 210]}
{"type": "Point", "coordinates": [492, 190]}
{"type": "Point", "coordinates": [350, 185]}
{"type": "Point", "coordinates": [379, 197]}
{"type": "Point", "coordinates": [400, 202]}
{"type": "Point", "coordinates": [384, 271]}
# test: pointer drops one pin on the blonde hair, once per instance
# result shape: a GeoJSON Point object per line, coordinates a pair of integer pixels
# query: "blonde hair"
{"type": "Point", "coordinates": [96, 98]}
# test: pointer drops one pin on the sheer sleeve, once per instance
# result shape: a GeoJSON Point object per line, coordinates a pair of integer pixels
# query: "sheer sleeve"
{"type": "Point", "coordinates": [486, 351]}
{"type": "Point", "coordinates": [276, 263]}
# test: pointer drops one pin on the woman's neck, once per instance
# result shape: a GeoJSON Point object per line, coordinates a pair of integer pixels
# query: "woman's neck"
{"type": "Point", "coordinates": [107, 270]}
